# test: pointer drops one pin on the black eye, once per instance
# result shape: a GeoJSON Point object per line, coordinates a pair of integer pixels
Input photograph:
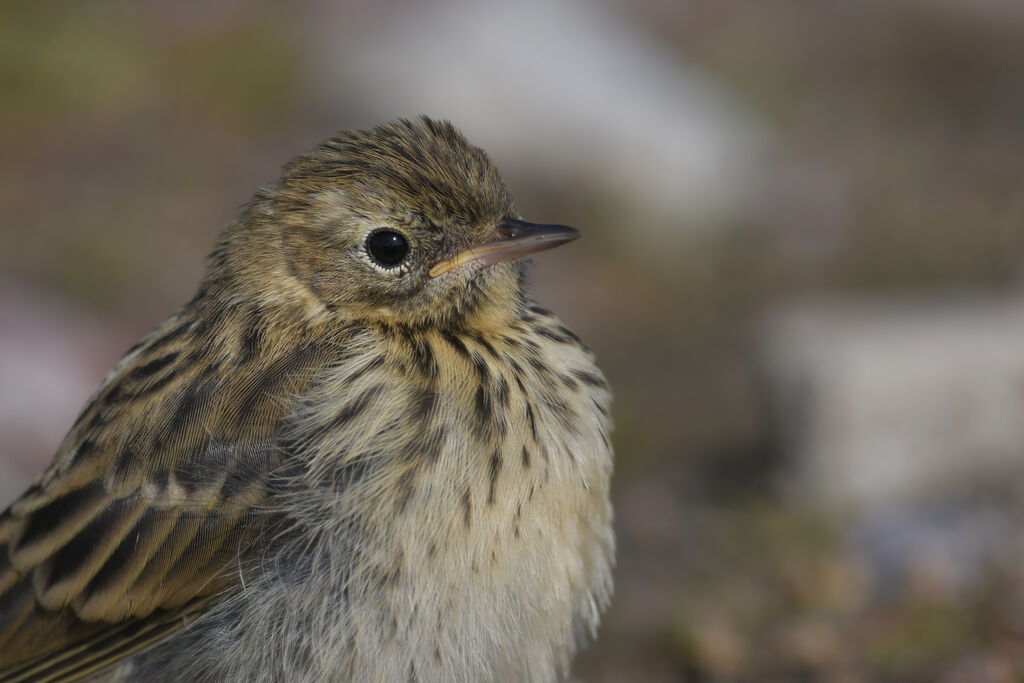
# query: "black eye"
{"type": "Point", "coordinates": [387, 247]}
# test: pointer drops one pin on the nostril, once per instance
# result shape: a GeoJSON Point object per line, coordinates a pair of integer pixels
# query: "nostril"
{"type": "Point", "coordinates": [509, 229]}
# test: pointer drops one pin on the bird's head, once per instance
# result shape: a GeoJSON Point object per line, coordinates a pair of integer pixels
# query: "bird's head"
{"type": "Point", "coordinates": [405, 222]}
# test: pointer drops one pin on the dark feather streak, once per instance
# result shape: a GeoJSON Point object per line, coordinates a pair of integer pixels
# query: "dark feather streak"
{"type": "Point", "coordinates": [467, 507]}
{"type": "Point", "coordinates": [83, 545]}
{"type": "Point", "coordinates": [353, 408]}
{"type": "Point", "coordinates": [175, 333]}
{"type": "Point", "coordinates": [483, 419]}
{"type": "Point", "coordinates": [54, 514]}
{"type": "Point", "coordinates": [589, 378]}
{"type": "Point", "coordinates": [456, 343]}
{"type": "Point", "coordinates": [120, 560]}
{"type": "Point", "coordinates": [494, 469]}
{"type": "Point", "coordinates": [154, 366]}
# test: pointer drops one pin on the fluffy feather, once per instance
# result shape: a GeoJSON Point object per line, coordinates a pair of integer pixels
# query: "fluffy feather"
{"type": "Point", "coordinates": [320, 469]}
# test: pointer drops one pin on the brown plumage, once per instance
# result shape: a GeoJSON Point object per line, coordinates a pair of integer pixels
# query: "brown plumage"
{"type": "Point", "coordinates": [359, 453]}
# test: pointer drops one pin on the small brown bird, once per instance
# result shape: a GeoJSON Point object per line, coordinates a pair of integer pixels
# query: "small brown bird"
{"type": "Point", "coordinates": [359, 453]}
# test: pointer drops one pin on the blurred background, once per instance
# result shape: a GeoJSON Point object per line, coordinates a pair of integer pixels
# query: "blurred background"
{"type": "Point", "coordinates": [801, 271]}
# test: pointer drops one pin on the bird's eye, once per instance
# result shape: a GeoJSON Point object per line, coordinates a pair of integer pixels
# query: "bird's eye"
{"type": "Point", "coordinates": [387, 247]}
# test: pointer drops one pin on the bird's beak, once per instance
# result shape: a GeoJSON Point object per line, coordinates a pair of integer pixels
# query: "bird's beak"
{"type": "Point", "coordinates": [512, 239]}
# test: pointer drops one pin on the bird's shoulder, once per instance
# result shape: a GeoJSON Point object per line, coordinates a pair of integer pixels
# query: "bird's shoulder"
{"type": "Point", "coordinates": [154, 496]}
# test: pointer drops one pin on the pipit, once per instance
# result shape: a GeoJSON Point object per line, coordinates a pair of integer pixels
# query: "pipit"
{"type": "Point", "coordinates": [359, 453]}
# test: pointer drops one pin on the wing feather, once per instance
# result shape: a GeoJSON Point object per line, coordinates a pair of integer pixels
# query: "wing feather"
{"type": "Point", "coordinates": [152, 503]}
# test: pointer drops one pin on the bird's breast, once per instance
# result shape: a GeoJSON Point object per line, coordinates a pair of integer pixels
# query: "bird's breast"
{"type": "Point", "coordinates": [464, 480]}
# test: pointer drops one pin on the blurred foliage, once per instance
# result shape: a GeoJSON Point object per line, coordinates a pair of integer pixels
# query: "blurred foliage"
{"type": "Point", "coordinates": [123, 131]}
{"type": "Point", "coordinates": [108, 60]}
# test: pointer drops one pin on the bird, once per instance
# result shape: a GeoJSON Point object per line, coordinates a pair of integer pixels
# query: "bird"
{"type": "Point", "coordinates": [361, 451]}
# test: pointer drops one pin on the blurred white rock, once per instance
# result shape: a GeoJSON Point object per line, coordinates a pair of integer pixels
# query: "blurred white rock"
{"type": "Point", "coordinates": [558, 91]}
{"type": "Point", "coordinates": [897, 401]}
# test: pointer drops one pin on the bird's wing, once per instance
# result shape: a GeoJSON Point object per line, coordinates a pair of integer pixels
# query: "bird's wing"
{"type": "Point", "coordinates": [152, 502]}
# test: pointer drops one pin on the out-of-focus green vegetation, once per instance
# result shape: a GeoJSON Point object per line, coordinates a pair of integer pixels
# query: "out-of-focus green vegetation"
{"type": "Point", "coordinates": [124, 130]}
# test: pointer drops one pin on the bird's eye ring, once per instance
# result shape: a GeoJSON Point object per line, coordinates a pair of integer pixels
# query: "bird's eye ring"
{"type": "Point", "coordinates": [387, 247]}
